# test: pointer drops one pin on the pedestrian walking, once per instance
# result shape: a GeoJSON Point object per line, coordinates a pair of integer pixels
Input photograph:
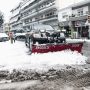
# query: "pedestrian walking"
{"type": "Point", "coordinates": [11, 37]}
{"type": "Point", "coordinates": [11, 40]}
{"type": "Point", "coordinates": [14, 38]}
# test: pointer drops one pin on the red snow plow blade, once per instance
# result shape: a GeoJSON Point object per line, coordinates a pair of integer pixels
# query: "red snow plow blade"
{"type": "Point", "coordinates": [44, 48]}
{"type": "Point", "coordinates": [44, 39]}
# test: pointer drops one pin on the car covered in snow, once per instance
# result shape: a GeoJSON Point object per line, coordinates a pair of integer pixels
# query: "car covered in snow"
{"type": "Point", "coordinates": [4, 37]}
{"type": "Point", "coordinates": [20, 36]}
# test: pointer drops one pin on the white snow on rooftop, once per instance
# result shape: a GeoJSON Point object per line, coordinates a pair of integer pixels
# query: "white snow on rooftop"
{"type": "Point", "coordinates": [15, 56]}
{"type": "Point", "coordinates": [42, 27]}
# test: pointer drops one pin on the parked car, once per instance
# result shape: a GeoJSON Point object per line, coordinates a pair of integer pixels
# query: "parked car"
{"type": "Point", "coordinates": [20, 36]}
{"type": "Point", "coordinates": [4, 37]}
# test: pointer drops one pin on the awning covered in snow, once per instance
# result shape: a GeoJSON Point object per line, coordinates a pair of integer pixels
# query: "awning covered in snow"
{"type": "Point", "coordinates": [20, 34]}
{"type": "Point", "coordinates": [42, 27]}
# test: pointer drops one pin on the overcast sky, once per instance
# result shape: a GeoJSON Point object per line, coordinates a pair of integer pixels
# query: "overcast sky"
{"type": "Point", "coordinates": [65, 3]}
{"type": "Point", "coordinates": [7, 5]}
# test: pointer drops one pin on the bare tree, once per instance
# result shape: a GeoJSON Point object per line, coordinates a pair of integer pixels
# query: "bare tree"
{"type": "Point", "coordinates": [1, 19]}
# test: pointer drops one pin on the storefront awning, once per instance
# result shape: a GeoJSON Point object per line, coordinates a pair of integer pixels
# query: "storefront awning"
{"type": "Point", "coordinates": [66, 23]}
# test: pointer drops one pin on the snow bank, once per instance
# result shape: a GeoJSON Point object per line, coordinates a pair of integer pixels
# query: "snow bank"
{"type": "Point", "coordinates": [78, 40]}
{"type": "Point", "coordinates": [3, 35]}
{"type": "Point", "coordinates": [15, 56]}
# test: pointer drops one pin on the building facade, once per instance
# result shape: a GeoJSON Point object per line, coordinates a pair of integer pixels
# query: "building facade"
{"type": "Point", "coordinates": [63, 17]}
{"type": "Point", "coordinates": [80, 19]}
{"type": "Point", "coordinates": [75, 19]}
{"type": "Point", "coordinates": [6, 27]}
{"type": "Point", "coordinates": [15, 22]}
{"type": "Point", "coordinates": [39, 12]}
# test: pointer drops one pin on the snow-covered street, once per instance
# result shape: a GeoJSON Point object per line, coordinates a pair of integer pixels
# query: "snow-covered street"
{"type": "Point", "coordinates": [27, 67]}
{"type": "Point", "coordinates": [14, 56]}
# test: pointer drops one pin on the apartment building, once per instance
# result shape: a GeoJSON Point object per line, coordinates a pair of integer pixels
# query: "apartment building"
{"type": "Point", "coordinates": [63, 17]}
{"type": "Point", "coordinates": [75, 19]}
{"type": "Point", "coordinates": [39, 12]}
{"type": "Point", "coordinates": [15, 22]}
{"type": "Point", "coordinates": [79, 20]}
{"type": "Point", "coordinates": [6, 27]}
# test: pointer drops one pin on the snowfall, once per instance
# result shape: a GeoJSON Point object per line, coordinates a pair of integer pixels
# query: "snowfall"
{"type": "Point", "coordinates": [15, 56]}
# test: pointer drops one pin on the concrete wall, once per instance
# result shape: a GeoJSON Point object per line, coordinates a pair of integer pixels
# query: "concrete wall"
{"type": "Point", "coordinates": [61, 13]}
{"type": "Point", "coordinates": [85, 10]}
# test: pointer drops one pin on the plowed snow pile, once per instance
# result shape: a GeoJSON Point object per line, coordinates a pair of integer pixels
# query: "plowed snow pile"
{"type": "Point", "coordinates": [14, 56]}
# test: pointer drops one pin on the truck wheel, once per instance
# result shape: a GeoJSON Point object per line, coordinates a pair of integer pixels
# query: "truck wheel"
{"type": "Point", "coordinates": [30, 44]}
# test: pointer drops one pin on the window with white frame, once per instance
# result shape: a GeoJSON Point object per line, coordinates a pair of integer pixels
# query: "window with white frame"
{"type": "Point", "coordinates": [64, 15]}
{"type": "Point", "coordinates": [80, 11]}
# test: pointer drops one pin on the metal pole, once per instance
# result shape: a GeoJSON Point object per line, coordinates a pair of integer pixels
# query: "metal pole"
{"type": "Point", "coordinates": [77, 32]}
{"type": "Point", "coordinates": [81, 32]}
{"type": "Point", "coordinates": [89, 32]}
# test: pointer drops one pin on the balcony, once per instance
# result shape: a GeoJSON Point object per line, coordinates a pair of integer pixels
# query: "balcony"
{"type": "Point", "coordinates": [33, 5]}
{"type": "Point", "coordinates": [75, 18]}
{"type": "Point", "coordinates": [38, 12]}
{"type": "Point", "coordinates": [37, 8]}
{"type": "Point", "coordinates": [50, 18]}
{"type": "Point", "coordinates": [65, 23]}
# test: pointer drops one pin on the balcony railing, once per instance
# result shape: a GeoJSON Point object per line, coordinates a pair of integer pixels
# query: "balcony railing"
{"type": "Point", "coordinates": [35, 6]}
{"type": "Point", "coordinates": [78, 17]}
{"type": "Point", "coordinates": [53, 17]}
{"type": "Point", "coordinates": [38, 12]}
{"type": "Point", "coordinates": [32, 5]}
